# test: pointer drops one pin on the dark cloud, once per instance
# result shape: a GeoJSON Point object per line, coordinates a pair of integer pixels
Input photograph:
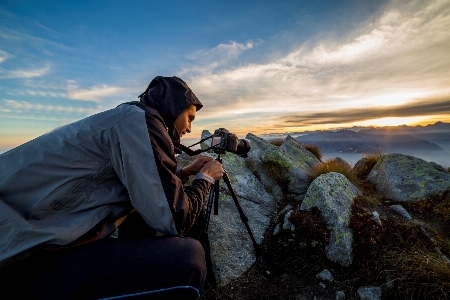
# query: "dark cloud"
{"type": "Point", "coordinates": [424, 107]}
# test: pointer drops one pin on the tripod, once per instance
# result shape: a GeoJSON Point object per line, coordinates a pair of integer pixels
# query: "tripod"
{"type": "Point", "coordinates": [214, 198]}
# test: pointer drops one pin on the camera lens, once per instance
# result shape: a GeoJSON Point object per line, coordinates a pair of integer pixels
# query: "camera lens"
{"type": "Point", "coordinates": [243, 147]}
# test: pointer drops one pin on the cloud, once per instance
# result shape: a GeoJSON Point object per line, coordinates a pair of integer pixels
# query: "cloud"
{"type": "Point", "coordinates": [95, 93]}
{"type": "Point", "coordinates": [223, 51]}
{"type": "Point", "coordinates": [20, 106]}
{"type": "Point", "coordinates": [24, 73]}
{"type": "Point", "coordinates": [207, 61]}
{"type": "Point", "coordinates": [433, 106]}
{"type": "Point", "coordinates": [4, 56]}
{"type": "Point", "coordinates": [399, 55]}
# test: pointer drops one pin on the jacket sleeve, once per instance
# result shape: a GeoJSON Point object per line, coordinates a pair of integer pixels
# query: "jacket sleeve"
{"type": "Point", "coordinates": [144, 159]}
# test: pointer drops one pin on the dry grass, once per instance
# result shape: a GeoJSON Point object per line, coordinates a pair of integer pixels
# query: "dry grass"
{"type": "Point", "coordinates": [401, 250]}
{"type": "Point", "coordinates": [334, 165]}
{"type": "Point", "coordinates": [277, 172]}
{"type": "Point", "coordinates": [369, 159]}
{"type": "Point", "coordinates": [315, 150]}
{"type": "Point", "coordinates": [276, 142]}
{"type": "Point", "coordinates": [419, 273]}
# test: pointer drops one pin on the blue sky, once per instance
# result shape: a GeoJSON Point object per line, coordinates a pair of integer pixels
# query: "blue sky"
{"type": "Point", "coordinates": [257, 66]}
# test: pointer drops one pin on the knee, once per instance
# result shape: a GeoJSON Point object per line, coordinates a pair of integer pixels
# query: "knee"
{"type": "Point", "coordinates": [194, 254]}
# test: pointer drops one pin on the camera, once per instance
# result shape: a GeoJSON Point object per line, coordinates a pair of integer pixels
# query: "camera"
{"type": "Point", "coordinates": [223, 141]}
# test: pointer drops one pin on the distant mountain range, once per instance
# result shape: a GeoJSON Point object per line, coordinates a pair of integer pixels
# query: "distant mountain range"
{"type": "Point", "coordinates": [431, 142]}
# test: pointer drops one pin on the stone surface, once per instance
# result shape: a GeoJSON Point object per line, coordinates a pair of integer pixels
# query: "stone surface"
{"type": "Point", "coordinates": [232, 251]}
{"type": "Point", "coordinates": [295, 162]}
{"type": "Point", "coordinates": [369, 293]}
{"type": "Point", "coordinates": [401, 211]}
{"type": "Point", "coordinates": [408, 179]}
{"type": "Point", "coordinates": [325, 275]}
{"type": "Point", "coordinates": [333, 195]}
{"type": "Point", "coordinates": [340, 295]}
{"type": "Point", "coordinates": [376, 218]}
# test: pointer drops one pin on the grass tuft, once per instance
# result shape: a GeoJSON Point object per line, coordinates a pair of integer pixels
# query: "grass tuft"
{"type": "Point", "coordinates": [334, 165]}
{"type": "Point", "coordinates": [314, 149]}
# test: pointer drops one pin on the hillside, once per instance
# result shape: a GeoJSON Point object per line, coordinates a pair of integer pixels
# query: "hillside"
{"type": "Point", "coordinates": [400, 245]}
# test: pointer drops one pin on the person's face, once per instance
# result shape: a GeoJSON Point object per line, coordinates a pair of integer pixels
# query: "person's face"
{"type": "Point", "coordinates": [184, 120]}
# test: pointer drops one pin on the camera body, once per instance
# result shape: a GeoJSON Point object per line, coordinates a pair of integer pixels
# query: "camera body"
{"type": "Point", "coordinates": [223, 141]}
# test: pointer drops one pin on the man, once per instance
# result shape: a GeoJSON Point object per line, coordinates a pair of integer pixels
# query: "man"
{"type": "Point", "coordinates": [64, 193]}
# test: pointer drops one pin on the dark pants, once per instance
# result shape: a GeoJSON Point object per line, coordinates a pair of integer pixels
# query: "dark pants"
{"type": "Point", "coordinates": [108, 268]}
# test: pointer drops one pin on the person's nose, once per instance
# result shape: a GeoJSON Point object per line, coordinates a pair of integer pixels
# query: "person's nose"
{"type": "Point", "coordinates": [188, 129]}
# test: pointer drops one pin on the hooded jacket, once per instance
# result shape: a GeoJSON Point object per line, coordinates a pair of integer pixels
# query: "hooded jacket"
{"type": "Point", "coordinates": [59, 187]}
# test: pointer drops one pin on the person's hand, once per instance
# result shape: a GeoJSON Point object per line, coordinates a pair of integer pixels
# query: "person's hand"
{"type": "Point", "coordinates": [195, 167]}
{"type": "Point", "coordinates": [213, 169]}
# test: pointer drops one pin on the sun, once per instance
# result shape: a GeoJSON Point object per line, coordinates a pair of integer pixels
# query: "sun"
{"type": "Point", "coordinates": [393, 121]}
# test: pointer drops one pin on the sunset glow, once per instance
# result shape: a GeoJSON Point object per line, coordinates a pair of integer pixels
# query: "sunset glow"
{"type": "Point", "coordinates": [265, 67]}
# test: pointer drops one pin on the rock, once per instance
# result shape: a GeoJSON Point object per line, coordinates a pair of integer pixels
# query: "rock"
{"type": "Point", "coordinates": [376, 218]}
{"type": "Point", "coordinates": [207, 143]}
{"type": "Point", "coordinates": [253, 161]}
{"type": "Point", "coordinates": [340, 295]}
{"type": "Point", "coordinates": [445, 258]}
{"type": "Point", "coordinates": [369, 293]}
{"type": "Point", "coordinates": [389, 282]}
{"type": "Point", "coordinates": [401, 211]}
{"type": "Point", "coordinates": [438, 167]}
{"type": "Point", "coordinates": [408, 179]}
{"type": "Point", "coordinates": [232, 251]}
{"type": "Point", "coordinates": [289, 163]}
{"type": "Point", "coordinates": [333, 195]}
{"type": "Point", "coordinates": [342, 162]}
{"type": "Point", "coordinates": [325, 275]}
{"type": "Point", "coordinates": [277, 229]}
{"type": "Point", "coordinates": [287, 225]}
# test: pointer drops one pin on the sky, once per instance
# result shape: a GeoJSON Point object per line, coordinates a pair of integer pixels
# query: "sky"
{"type": "Point", "coordinates": [257, 66]}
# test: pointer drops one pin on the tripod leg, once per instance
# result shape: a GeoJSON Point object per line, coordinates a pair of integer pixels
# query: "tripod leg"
{"type": "Point", "coordinates": [241, 213]}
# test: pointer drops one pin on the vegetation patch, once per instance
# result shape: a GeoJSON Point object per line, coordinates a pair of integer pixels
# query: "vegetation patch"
{"type": "Point", "coordinates": [276, 142]}
{"type": "Point", "coordinates": [399, 251]}
{"type": "Point", "coordinates": [314, 149]}
{"type": "Point", "coordinates": [334, 165]}
{"type": "Point", "coordinates": [277, 172]}
{"type": "Point", "coordinates": [366, 163]}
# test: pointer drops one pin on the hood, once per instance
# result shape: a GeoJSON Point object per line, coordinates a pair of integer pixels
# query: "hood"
{"type": "Point", "coordinates": [170, 96]}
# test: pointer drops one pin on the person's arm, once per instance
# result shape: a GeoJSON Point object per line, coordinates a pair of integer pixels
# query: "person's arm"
{"type": "Point", "coordinates": [143, 157]}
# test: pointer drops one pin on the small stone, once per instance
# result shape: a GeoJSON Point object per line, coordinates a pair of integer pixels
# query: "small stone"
{"type": "Point", "coordinates": [277, 229]}
{"type": "Point", "coordinates": [267, 272]}
{"type": "Point", "coordinates": [401, 211]}
{"type": "Point", "coordinates": [302, 245]}
{"type": "Point", "coordinates": [322, 284]}
{"type": "Point", "coordinates": [340, 295]}
{"type": "Point", "coordinates": [389, 282]}
{"type": "Point", "coordinates": [369, 293]}
{"type": "Point", "coordinates": [325, 275]}
{"type": "Point", "coordinates": [314, 243]}
{"type": "Point", "coordinates": [376, 218]}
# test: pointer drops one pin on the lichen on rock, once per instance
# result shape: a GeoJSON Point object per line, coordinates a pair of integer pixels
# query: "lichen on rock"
{"type": "Point", "coordinates": [333, 195]}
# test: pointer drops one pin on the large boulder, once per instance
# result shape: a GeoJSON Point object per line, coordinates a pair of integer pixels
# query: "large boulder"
{"type": "Point", "coordinates": [258, 147]}
{"type": "Point", "coordinates": [333, 195]}
{"type": "Point", "coordinates": [231, 248]}
{"type": "Point", "coordinates": [408, 179]}
{"type": "Point", "coordinates": [290, 164]}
